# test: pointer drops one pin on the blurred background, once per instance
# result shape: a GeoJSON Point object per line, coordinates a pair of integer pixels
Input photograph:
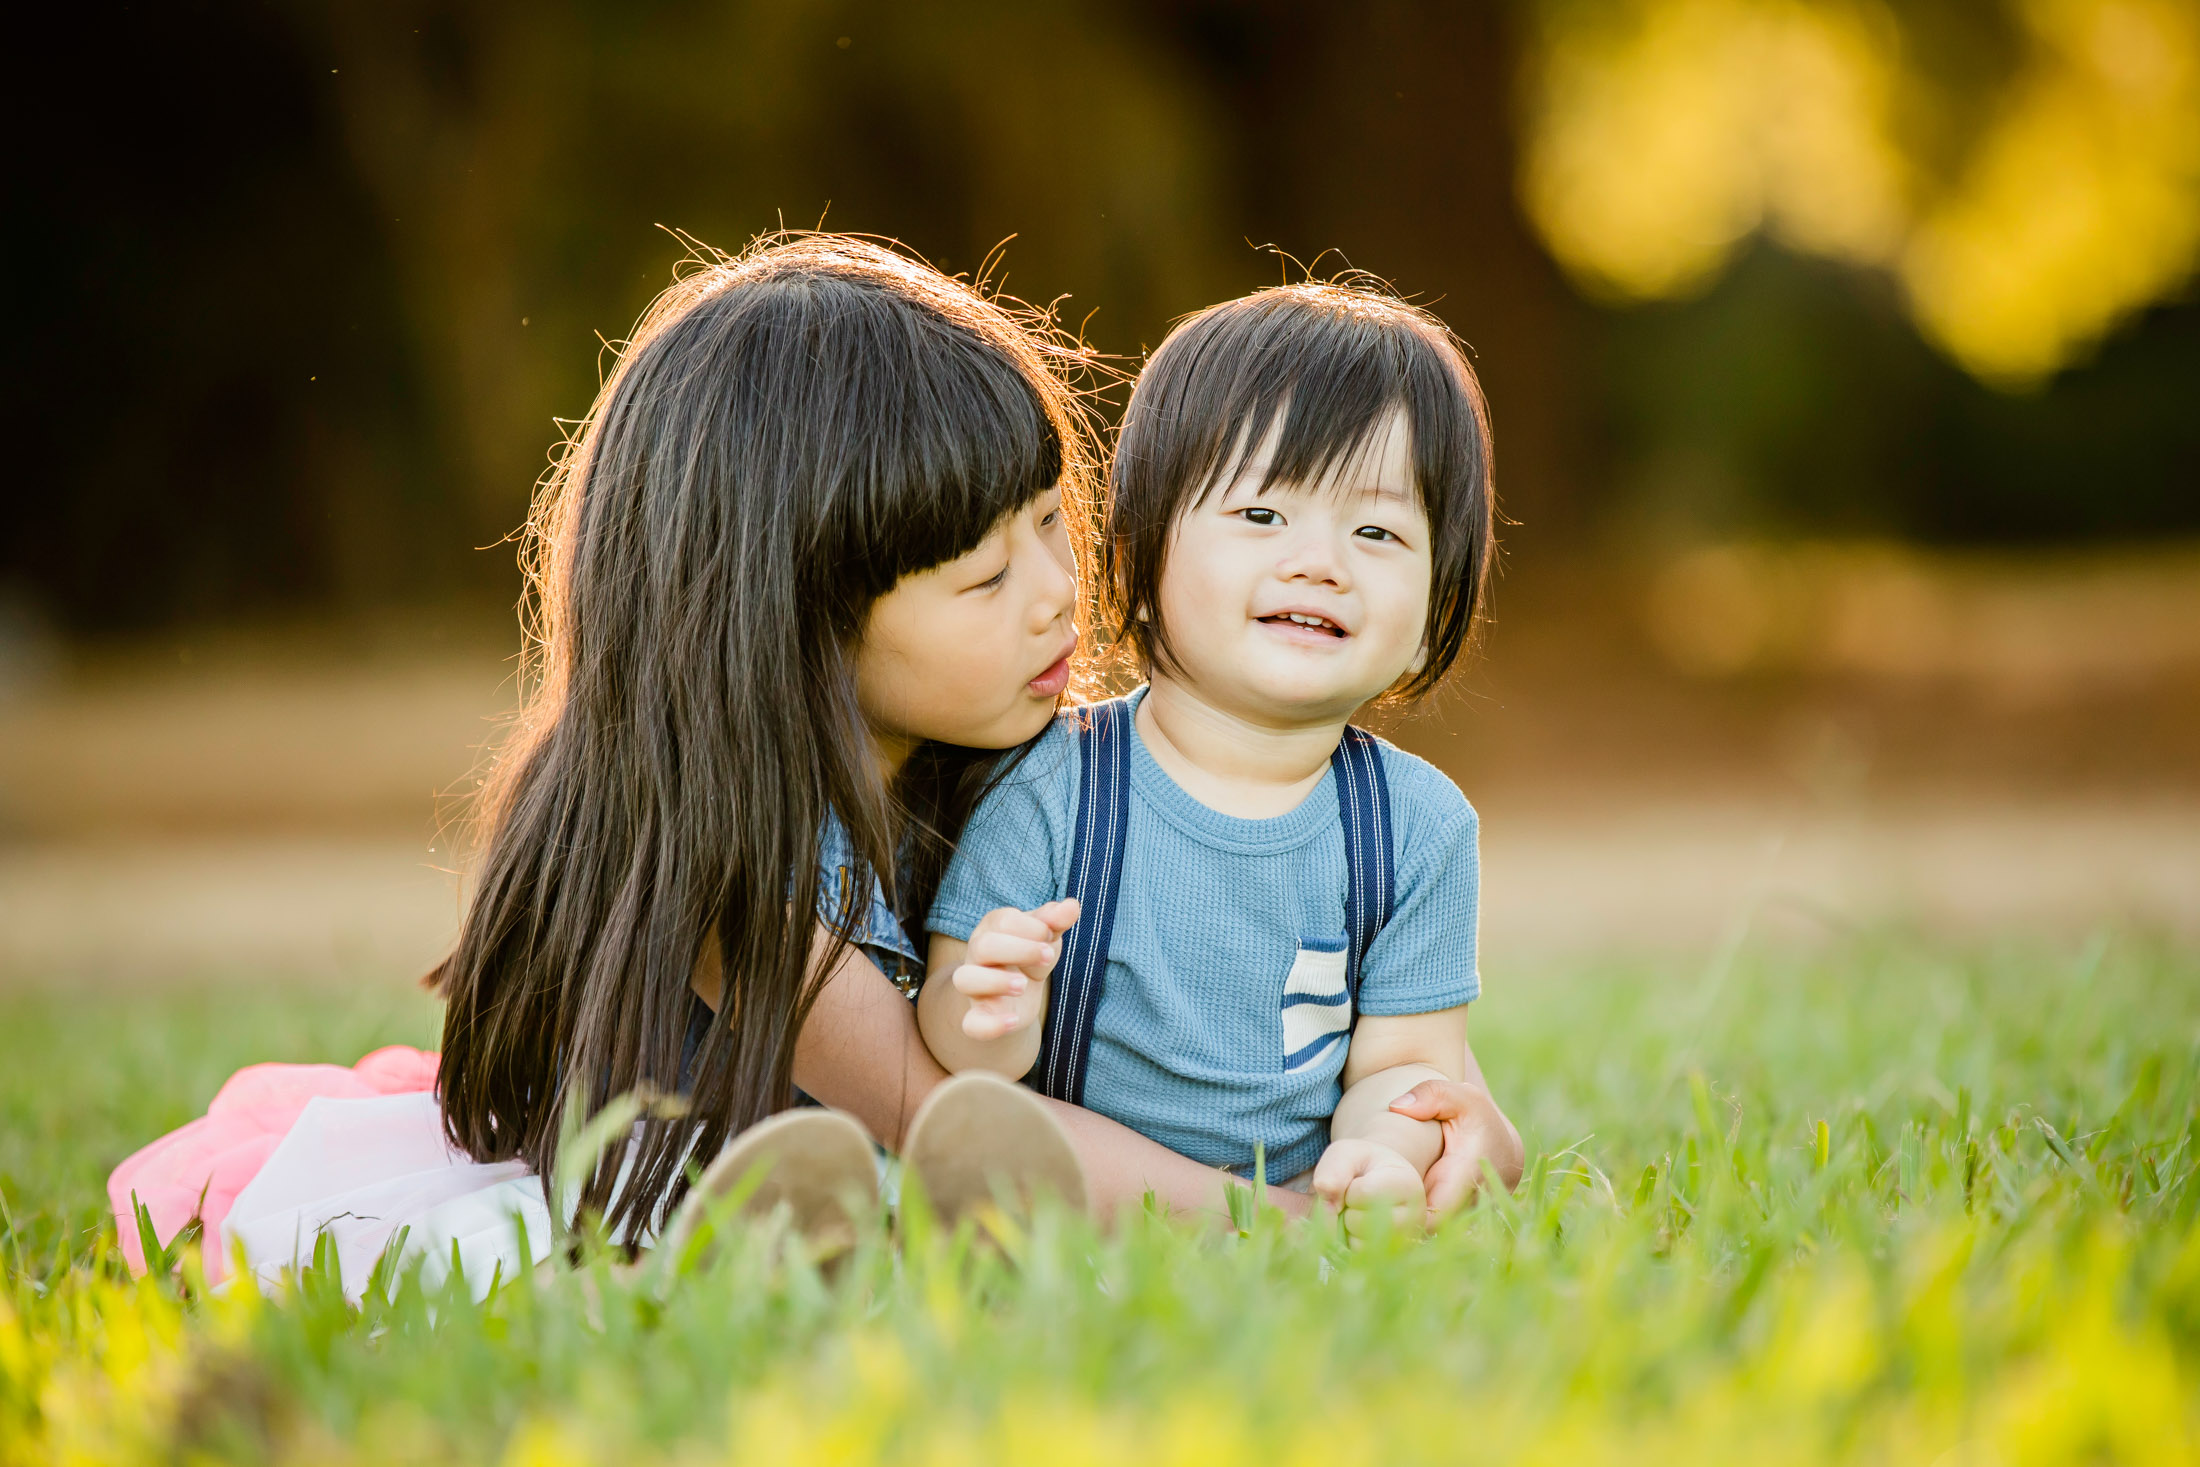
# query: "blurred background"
{"type": "Point", "coordinates": [1845, 361]}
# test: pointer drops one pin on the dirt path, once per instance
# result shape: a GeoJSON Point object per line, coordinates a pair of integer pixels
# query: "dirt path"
{"type": "Point", "coordinates": [268, 803]}
{"type": "Point", "coordinates": [1676, 879]}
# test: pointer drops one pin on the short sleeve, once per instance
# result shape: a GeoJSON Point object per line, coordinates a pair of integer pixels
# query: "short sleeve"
{"type": "Point", "coordinates": [1425, 959]}
{"type": "Point", "coordinates": [863, 917]}
{"type": "Point", "coordinates": [1014, 851]}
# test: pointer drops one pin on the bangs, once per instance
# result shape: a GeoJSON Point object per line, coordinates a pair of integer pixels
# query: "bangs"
{"type": "Point", "coordinates": [952, 438]}
{"type": "Point", "coordinates": [894, 415]}
{"type": "Point", "coordinates": [1332, 379]}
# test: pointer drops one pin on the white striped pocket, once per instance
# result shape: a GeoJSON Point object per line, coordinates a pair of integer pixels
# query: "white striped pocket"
{"type": "Point", "coordinates": [1317, 1012]}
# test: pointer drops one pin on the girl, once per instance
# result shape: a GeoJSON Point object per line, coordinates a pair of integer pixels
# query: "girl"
{"type": "Point", "coordinates": [1270, 916]}
{"type": "Point", "coordinates": [815, 525]}
{"type": "Point", "coordinates": [808, 560]}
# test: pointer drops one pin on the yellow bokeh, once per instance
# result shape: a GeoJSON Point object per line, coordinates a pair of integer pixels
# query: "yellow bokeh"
{"type": "Point", "coordinates": [2082, 203]}
{"type": "Point", "coordinates": [1661, 134]}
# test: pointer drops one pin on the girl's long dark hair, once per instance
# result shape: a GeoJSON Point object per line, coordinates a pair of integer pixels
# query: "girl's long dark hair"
{"type": "Point", "coordinates": [787, 435]}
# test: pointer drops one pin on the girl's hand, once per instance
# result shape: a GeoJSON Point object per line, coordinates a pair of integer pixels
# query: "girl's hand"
{"type": "Point", "coordinates": [1005, 968]}
{"type": "Point", "coordinates": [1363, 1180]}
{"type": "Point", "coordinates": [1475, 1131]}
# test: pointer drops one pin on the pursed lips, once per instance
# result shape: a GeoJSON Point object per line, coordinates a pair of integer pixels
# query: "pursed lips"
{"type": "Point", "coordinates": [1055, 675]}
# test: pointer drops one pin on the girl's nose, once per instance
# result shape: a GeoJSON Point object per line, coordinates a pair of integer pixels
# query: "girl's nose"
{"type": "Point", "coordinates": [1055, 594]}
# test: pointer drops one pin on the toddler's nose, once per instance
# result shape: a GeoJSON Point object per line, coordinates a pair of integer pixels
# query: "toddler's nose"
{"type": "Point", "coordinates": [1313, 559]}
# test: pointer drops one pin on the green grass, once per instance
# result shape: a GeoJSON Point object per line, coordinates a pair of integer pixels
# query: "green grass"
{"type": "Point", "coordinates": [87, 1077]}
{"type": "Point", "coordinates": [1897, 1201]}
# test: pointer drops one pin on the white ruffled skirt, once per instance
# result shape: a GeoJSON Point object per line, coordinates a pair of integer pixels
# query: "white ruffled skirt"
{"type": "Point", "coordinates": [376, 1176]}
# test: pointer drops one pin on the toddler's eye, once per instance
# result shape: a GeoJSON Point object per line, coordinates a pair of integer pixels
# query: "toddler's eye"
{"type": "Point", "coordinates": [1261, 515]}
{"type": "Point", "coordinates": [1375, 532]}
{"type": "Point", "coordinates": [1047, 520]}
{"type": "Point", "coordinates": [993, 581]}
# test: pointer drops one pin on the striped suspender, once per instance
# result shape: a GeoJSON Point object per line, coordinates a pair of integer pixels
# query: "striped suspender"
{"type": "Point", "coordinates": [1363, 802]}
{"type": "Point", "coordinates": [1096, 866]}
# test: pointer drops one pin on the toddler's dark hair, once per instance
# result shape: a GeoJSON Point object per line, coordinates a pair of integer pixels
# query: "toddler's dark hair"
{"type": "Point", "coordinates": [1335, 360]}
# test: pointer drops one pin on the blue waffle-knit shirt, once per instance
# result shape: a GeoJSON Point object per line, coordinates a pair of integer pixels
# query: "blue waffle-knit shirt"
{"type": "Point", "coordinates": [1222, 1023]}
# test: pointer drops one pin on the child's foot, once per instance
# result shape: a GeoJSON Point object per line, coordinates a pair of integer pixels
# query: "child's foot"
{"type": "Point", "coordinates": [818, 1163]}
{"type": "Point", "coordinates": [980, 1141]}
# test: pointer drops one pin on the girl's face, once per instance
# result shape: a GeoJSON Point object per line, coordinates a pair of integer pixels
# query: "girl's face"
{"type": "Point", "coordinates": [1300, 604]}
{"type": "Point", "coordinates": [976, 651]}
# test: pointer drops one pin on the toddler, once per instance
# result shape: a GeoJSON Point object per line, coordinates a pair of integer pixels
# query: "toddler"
{"type": "Point", "coordinates": [1215, 910]}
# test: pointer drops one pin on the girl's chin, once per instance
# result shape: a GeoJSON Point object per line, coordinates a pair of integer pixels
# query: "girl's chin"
{"type": "Point", "coordinates": [1026, 725]}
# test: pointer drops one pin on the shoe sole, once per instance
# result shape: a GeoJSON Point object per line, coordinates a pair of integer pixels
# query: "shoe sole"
{"type": "Point", "coordinates": [980, 1141]}
{"type": "Point", "coordinates": [818, 1164]}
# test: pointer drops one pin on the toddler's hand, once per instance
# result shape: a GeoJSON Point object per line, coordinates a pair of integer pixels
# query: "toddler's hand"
{"type": "Point", "coordinates": [1005, 967]}
{"type": "Point", "coordinates": [1364, 1180]}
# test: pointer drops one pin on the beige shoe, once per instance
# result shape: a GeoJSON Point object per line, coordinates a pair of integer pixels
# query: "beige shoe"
{"type": "Point", "coordinates": [980, 1141]}
{"type": "Point", "coordinates": [817, 1163]}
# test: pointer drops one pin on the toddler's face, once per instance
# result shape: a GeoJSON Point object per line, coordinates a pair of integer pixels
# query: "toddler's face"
{"type": "Point", "coordinates": [1306, 601]}
{"type": "Point", "coordinates": [976, 651]}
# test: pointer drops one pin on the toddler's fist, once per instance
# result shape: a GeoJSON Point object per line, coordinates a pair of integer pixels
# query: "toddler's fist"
{"type": "Point", "coordinates": [1005, 967]}
{"type": "Point", "coordinates": [1363, 1180]}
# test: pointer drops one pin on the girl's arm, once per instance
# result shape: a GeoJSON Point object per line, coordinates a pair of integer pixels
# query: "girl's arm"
{"type": "Point", "coordinates": [1122, 1167]}
{"type": "Point", "coordinates": [859, 1050]}
{"type": "Point", "coordinates": [1475, 1130]}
